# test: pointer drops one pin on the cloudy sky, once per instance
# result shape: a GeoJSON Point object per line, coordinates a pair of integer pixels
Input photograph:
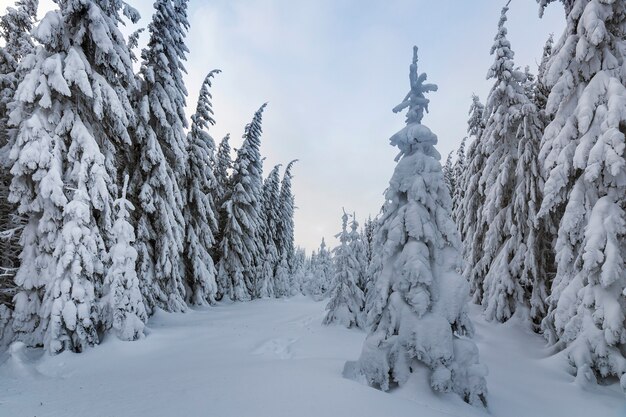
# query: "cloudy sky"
{"type": "Point", "coordinates": [332, 70]}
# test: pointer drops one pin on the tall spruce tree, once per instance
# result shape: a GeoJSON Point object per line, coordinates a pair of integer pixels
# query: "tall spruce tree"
{"type": "Point", "coordinates": [223, 165]}
{"type": "Point", "coordinates": [199, 211]}
{"type": "Point", "coordinates": [542, 91]}
{"type": "Point", "coordinates": [15, 27]}
{"type": "Point", "coordinates": [458, 170]}
{"type": "Point", "coordinates": [161, 148]}
{"type": "Point", "coordinates": [269, 235]}
{"type": "Point", "coordinates": [358, 249]}
{"type": "Point", "coordinates": [498, 271]}
{"type": "Point", "coordinates": [71, 115]}
{"type": "Point", "coordinates": [470, 213]}
{"type": "Point", "coordinates": [583, 154]}
{"type": "Point", "coordinates": [373, 260]}
{"type": "Point", "coordinates": [421, 301]}
{"type": "Point", "coordinates": [532, 260]}
{"type": "Point", "coordinates": [239, 247]}
{"type": "Point", "coordinates": [285, 227]}
{"type": "Point", "coordinates": [448, 174]}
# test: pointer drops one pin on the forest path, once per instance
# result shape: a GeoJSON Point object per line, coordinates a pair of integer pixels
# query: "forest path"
{"type": "Point", "coordinates": [274, 358]}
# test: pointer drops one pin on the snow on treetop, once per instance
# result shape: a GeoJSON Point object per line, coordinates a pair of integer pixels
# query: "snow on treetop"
{"type": "Point", "coordinates": [415, 135]}
{"type": "Point", "coordinates": [415, 100]}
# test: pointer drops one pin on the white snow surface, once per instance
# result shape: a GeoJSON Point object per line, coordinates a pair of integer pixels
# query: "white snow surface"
{"type": "Point", "coordinates": [274, 358]}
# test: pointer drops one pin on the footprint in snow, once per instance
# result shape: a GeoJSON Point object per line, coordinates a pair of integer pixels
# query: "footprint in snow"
{"type": "Point", "coordinates": [280, 348]}
{"type": "Point", "coordinates": [306, 320]}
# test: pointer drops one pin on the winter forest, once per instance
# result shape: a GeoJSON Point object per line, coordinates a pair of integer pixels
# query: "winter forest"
{"type": "Point", "coordinates": [156, 264]}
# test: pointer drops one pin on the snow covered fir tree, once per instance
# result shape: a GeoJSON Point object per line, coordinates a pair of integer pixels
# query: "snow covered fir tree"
{"type": "Point", "coordinates": [509, 263]}
{"type": "Point", "coordinates": [420, 307]}
{"type": "Point", "coordinates": [200, 211]}
{"type": "Point", "coordinates": [161, 152]}
{"type": "Point", "coordinates": [241, 245]}
{"type": "Point", "coordinates": [156, 226]}
{"type": "Point", "coordinates": [582, 153]}
{"type": "Point", "coordinates": [346, 299]}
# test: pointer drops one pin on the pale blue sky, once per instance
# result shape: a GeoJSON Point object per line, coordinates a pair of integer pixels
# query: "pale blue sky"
{"type": "Point", "coordinates": [332, 70]}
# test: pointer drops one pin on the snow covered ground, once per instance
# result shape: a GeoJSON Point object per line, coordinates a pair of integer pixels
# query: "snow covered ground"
{"type": "Point", "coordinates": [274, 358]}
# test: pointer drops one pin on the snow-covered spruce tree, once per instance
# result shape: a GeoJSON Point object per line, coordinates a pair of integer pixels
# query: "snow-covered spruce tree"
{"type": "Point", "coordinates": [542, 91]}
{"type": "Point", "coordinates": [547, 225]}
{"type": "Point", "coordinates": [70, 114]}
{"type": "Point", "coordinates": [421, 299]}
{"type": "Point", "coordinates": [269, 231]}
{"type": "Point", "coordinates": [285, 227]}
{"type": "Point", "coordinates": [324, 269]}
{"type": "Point", "coordinates": [282, 278]}
{"type": "Point", "coordinates": [310, 284]}
{"type": "Point", "coordinates": [285, 236]}
{"type": "Point", "coordinates": [346, 298]}
{"type": "Point", "coordinates": [133, 43]}
{"type": "Point", "coordinates": [299, 273]}
{"type": "Point", "coordinates": [123, 307]}
{"type": "Point", "coordinates": [374, 265]}
{"type": "Point", "coordinates": [161, 149]}
{"type": "Point", "coordinates": [504, 248]}
{"type": "Point", "coordinates": [483, 172]}
{"type": "Point", "coordinates": [458, 170]}
{"type": "Point", "coordinates": [448, 174]}
{"type": "Point", "coordinates": [369, 229]}
{"type": "Point", "coordinates": [531, 259]}
{"type": "Point", "coordinates": [470, 211]}
{"type": "Point", "coordinates": [239, 247]}
{"type": "Point", "coordinates": [223, 165]}
{"type": "Point", "coordinates": [15, 28]}
{"type": "Point", "coordinates": [583, 153]}
{"type": "Point", "coordinates": [199, 211]}
{"type": "Point", "coordinates": [320, 274]}
{"type": "Point", "coordinates": [357, 247]}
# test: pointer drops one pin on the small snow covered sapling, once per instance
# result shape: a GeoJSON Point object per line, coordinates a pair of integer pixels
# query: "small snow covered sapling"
{"type": "Point", "coordinates": [346, 300]}
{"type": "Point", "coordinates": [124, 303]}
{"type": "Point", "coordinates": [419, 310]}
{"type": "Point", "coordinates": [70, 297]}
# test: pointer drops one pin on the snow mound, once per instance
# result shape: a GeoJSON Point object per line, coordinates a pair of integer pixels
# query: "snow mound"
{"type": "Point", "coordinates": [18, 364]}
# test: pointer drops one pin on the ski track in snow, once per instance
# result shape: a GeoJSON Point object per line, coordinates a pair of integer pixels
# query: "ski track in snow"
{"type": "Point", "coordinates": [274, 358]}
